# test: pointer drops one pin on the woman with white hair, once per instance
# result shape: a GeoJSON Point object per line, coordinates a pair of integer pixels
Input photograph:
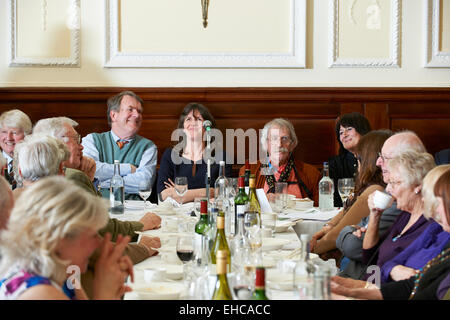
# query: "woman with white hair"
{"type": "Point", "coordinates": [38, 156]}
{"type": "Point", "coordinates": [278, 138]}
{"type": "Point", "coordinates": [407, 172]}
{"type": "Point", "coordinates": [14, 126]}
{"type": "Point", "coordinates": [51, 233]}
{"type": "Point", "coordinates": [430, 282]}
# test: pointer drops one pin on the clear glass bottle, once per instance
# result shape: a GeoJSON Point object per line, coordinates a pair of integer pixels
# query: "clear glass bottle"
{"type": "Point", "coordinates": [304, 271]}
{"type": "Point", "coordinates": [116, 191]}
{"type": "Point", "coordinates": [326, 190]}
{"type": "Point", "coordinates": [221, 181]}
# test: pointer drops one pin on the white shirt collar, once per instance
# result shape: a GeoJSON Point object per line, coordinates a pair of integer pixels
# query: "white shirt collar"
{"type": "Point", "coordinates": [116, 138]}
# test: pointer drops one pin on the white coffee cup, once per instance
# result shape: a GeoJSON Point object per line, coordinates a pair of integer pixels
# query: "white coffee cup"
{"type": "Point", "coordinates": [381, 200]}
{"type": "Point", "coordinates": [154, 274]}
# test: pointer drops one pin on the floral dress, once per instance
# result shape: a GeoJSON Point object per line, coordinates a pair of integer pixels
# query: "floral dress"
{"type": "Point", "coordinates": [17, 282]}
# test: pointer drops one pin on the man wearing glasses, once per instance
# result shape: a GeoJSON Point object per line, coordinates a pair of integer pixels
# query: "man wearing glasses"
{"type": "Point", "coordinates": [350, 239]}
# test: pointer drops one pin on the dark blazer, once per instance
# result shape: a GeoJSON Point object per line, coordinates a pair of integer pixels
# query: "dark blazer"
{"type": "Point", "coordinates": [442, 157]}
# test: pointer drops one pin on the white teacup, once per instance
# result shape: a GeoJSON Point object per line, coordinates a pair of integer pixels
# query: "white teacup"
{"type": "Point", "coordinates": [381, 200]}
{"type": "Point", "coordinates": [154, 274]}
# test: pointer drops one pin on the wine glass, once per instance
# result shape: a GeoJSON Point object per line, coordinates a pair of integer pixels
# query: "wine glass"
{"type": "Point", "coordinates": [145, 189]}
{"type": "Point", "coordinates": [252, 226]}
{"type": "Point", "coordinates": [185, 250]}
{"type": "Point", "coordinates": [181, 187]}
{"type": "Point", "coordinates": [346, 188]}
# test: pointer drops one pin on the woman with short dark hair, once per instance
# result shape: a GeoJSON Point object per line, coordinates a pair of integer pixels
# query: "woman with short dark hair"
{"type": "Point", "coordinates": [349, 128]}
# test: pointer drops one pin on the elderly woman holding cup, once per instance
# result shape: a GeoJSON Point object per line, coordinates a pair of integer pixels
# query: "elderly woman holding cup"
{"type": "Point", "coordinates": [368, 180]}
{"type": "Point", "coordinates": [407, 172]}
{"type": "Point", "coordinates": [430, 282]}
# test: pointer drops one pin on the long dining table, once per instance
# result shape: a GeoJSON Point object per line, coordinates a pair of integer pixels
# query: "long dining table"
{"type": "Point", "coordinates": [281, 251]}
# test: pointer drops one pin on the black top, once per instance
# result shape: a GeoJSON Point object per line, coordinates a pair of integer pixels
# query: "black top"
{"type": "Point", "coordinates": [341, 166]}
{"type": "Point", "coordinates": [168, 169]}
{"type": "Point", "coordinates": [429, 284]}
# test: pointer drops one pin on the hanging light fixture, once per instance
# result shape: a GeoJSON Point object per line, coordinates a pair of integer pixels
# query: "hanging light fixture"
{"type": "Point", "coordinates": [205, 4]}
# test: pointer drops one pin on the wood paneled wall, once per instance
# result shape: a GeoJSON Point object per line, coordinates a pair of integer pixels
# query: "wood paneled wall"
{"type": "Point", "coordinates": [313, 111]}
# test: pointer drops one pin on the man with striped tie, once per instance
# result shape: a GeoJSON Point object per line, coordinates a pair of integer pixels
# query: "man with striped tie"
{"type": "Point", "coordinates": [136, 154]}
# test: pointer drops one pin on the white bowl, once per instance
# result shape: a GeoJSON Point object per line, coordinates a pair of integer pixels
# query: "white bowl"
{"type": "Point", "coordinates": [269, 244]}
{"type": "Point", "coordinates": [159, 291]}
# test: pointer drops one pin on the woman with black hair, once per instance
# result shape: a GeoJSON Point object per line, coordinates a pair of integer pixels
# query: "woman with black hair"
{"type": "Point", "coordinates": [350, 127]}
{"type": "Point", "coordinates": [187, 157]}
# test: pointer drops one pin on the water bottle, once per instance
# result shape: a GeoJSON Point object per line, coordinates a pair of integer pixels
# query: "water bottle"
{"type": "Point", "coordinates": [326, 190]}
{"type": "Point", "coordinates": [116, 191]}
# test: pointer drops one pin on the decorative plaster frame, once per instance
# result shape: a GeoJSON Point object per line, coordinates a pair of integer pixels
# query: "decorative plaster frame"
{"type": "Point", "coordinates": [17, 61]}
{"type": "Point", "coordinates": [295, 58]}
{"type": "Point", "coordinates": [393, 61]}
{"type": "Point", "coordinates": [433, 57]}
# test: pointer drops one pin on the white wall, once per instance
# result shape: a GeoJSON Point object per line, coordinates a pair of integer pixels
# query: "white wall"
{"type": "Point", "coordinates": [317, 74]}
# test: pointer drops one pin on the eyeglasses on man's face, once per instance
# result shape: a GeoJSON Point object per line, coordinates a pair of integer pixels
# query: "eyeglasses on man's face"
{"type": "Point", "coordinates": [76, 138]}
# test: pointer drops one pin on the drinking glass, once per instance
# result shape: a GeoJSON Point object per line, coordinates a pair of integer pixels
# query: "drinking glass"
{"type": "Point", "coordinates": [281, 194]}
{"type": "Point", "coordinates": [185, 251]}
{"type": "Point", "coordinates": [181, 187]}
{"type": "Point", "coordinates": [145, 189]}
{"type": "Point", "coordinates": [252, 226]}
{"type": "Point", "coordinates": [270, 221]}
{"type": "Point", "coordinates": [346, 188]}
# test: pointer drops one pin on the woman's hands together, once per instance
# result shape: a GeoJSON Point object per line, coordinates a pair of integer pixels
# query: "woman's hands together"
{"type": "Point", "coordinates": [111, 269]}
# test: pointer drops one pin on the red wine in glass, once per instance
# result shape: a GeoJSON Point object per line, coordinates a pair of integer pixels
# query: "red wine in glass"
{"type": "Point", "coordinates": [185, 255]}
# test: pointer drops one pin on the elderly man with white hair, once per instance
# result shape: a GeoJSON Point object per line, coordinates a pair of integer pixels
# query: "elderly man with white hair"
{"type": "Point", "coordinates": [279, 139]}
{"type": "Point", "coordinates": [14, 126]}
{"type": "Point", "coordinates": [77, 167]}
{"type": "Point", "coordinates": [41, 155]}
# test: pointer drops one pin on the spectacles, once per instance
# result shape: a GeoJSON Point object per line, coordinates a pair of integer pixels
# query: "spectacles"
{"type": "Point", "coordinates": [76, 138]}
{"type": "Point", "coordinates": [284, 139]}
{"type": "Point", "coordinates": [384, 158]}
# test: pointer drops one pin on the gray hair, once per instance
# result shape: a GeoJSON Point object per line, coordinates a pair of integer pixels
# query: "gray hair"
{"type": "Point", "coordinates": [409, 141]}
{"type": "Point", "coordinates": [16, 119]}
{"type": "Point", "coordinates": [39, 156]}
{"type": "Point", "coordinates": [430, 201]}
{"type": "Point", "coordinates": [45, 213]}
{"type": "Point", "coordinates": [114, 102]}
{"type": "Point", "coordinates": [278, 122]}
{"type": "Point", "coordinates": [54, 127]}
{"type": "Point", "coordinates": [413, 166]}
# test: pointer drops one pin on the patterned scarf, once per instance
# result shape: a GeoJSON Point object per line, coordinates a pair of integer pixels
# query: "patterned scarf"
{"type": "Point", "coordinates": [283, 177]}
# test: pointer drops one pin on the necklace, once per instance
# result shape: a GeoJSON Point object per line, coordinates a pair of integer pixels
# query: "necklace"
{"type": "Point", "coordinates": [441, 257]}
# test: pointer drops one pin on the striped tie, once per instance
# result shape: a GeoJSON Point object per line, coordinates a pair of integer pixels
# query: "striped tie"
{"type": "Point", "coordinates": [121, 143]}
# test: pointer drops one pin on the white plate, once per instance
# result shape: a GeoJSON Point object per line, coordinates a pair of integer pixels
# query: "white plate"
{"type": "Point", "coordinates": [159, 291]}
{"type": "Point", "coordinates": [280, 281]}
{"type": "Point", "coordinates": [269, 244]}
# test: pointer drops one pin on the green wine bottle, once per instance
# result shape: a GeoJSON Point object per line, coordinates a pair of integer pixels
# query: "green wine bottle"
{"type": "Point", "coordinates": [260, 285]}
{"type": "Point", "coordinates": [200, 230]}
{"type": "Point", "coordinates": [247, 176]}
{"type": "Point", "coordinates": [240, 202]}
{"type": "Point", "coordinates": [220, 241]}
{"type": "Point", "coordinates": [222, 289]}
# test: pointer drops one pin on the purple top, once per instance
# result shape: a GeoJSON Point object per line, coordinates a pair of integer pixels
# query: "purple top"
{"type": "Point", "coordinates": [424, 248]}
{"type": "Point", "coordinates": [390, 245]}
